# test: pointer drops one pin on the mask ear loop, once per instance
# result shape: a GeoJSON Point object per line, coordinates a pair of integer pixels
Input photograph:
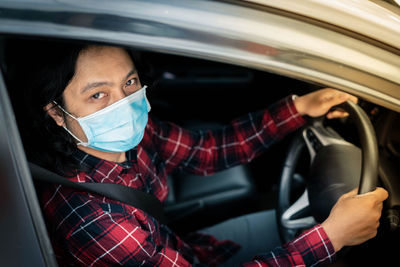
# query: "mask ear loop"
{"type": "Point", "coordinates": [80, 143]}
{"type": "Point", "coordinates": [147, 101]}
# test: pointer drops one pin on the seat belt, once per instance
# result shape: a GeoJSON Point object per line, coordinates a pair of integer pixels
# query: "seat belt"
{"type": "Point", "coordinates": [128, 195]}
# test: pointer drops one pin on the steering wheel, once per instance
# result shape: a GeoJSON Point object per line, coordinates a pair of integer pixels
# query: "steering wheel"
{"type": "Point", "coordinates": [337, 167]}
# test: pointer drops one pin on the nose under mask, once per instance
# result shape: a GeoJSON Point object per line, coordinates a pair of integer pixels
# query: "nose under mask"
{"type": "Point", "coordinates": [118, 127]}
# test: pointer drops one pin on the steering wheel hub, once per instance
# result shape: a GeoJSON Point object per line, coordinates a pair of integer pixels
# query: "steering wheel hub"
{"type": "Point", "coordinates": [337, 167]}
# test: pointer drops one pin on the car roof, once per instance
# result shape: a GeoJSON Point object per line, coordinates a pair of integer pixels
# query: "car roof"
{"type": "Point", "coordinates": [377, 20]}
{"type": "Point", "coordinates": [349, 45]}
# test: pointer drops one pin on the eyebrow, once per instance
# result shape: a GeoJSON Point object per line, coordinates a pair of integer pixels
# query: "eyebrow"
{"type": "Point", "coordinates": [133, 71]}
{"type": "Point", "coordinates": [93, 85]}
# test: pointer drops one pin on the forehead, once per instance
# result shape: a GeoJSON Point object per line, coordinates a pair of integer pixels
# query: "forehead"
{"type": "Point", "coordinates": [102, 61]}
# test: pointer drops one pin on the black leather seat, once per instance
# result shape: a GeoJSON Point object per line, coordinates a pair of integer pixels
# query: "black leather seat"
{"type": "Point", "coordinates": [219, 196]}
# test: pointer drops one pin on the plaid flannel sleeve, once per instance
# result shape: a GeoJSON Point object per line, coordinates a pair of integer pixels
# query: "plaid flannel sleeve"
{"type": "Point", "coordinates": [312, 248]}
{"type": "Point", "coordinates": [205, 152]}
{"type": "Point", "coordinates": [114, 238]}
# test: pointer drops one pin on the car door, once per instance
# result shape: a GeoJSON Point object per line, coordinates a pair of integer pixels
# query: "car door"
{"type": "Point", "coordinates": [23, 236]}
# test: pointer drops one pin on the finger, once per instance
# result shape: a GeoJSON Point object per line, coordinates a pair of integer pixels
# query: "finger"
{"type": "Point", "coordinates": [337, 114]}
{"type": "Point", "coordinates": [353, 99]}
{"type": "Point", "coordinates": [336, 98]}
{"type": "Point", "coordinates": [379, 193]}
{"type": "Point", "coordinates": [351, 193]}
{"type": "Point", "coordinates": [380, 206]}
{"type": "Point", "coordinates": [343, 95]}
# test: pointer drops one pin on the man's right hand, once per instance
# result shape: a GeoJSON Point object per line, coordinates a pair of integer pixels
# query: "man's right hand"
{"type": "Point", "coordinates": [355, 218]}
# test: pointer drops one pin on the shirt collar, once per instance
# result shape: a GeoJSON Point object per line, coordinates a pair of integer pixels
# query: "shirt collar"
{"type": "Point", "coordinates": [91, 162]}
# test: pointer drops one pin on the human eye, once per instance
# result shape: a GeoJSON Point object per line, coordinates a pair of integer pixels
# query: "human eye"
{"type": "Point", "coordinates": [98, 95]}
{"type": "Point", "coordinates": [131, 83]}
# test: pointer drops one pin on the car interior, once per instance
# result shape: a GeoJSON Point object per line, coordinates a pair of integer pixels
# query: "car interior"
{"type": "Point", "coordinates": [205, 96]}
{"type": "Point", "coordinates": [201, 94]}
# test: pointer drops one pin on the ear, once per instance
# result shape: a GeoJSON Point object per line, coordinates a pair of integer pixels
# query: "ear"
{"type": "Point", "coordinates": [55, 113]}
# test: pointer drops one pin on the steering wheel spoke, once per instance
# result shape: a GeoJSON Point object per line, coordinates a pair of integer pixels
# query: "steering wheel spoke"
{"type": "Point", "coordinates": [316, 137]}
{"type": "Point", "coordinates": [337, 166]}
{"type": "Point", "coordinates": [297, 216]}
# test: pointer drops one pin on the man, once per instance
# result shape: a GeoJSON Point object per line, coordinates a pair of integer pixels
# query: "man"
{"type": "Point", "coordinates": [90, 123]}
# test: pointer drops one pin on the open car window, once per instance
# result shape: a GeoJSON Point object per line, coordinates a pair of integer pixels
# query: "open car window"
{"type": "Point", "coordinates": [205, 73]}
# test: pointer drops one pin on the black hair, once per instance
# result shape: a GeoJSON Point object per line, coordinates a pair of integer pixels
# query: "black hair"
{"type": "Point", "coordinates": [37, 72]}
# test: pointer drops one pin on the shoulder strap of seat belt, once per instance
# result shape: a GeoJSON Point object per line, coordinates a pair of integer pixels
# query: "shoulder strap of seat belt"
{"type": "Point", "coordinates": [125, 194]}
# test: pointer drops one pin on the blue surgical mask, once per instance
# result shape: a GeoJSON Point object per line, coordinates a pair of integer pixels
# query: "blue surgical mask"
{"type": "Point", "coordinates": [118, 127]}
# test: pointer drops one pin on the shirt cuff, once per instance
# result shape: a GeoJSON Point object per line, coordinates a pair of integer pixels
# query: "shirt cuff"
{"type": "Point", "coordinates": [286, 116]}
{"type": "Point", "coordinates": [314, 246]}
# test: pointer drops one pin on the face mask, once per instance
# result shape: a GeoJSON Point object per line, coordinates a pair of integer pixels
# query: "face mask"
{"type": "Point", "coordinates": [118, 127]}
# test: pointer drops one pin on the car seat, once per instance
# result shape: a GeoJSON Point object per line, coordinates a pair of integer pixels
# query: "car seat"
{"type": "Point", "coordinates": [217, 197]}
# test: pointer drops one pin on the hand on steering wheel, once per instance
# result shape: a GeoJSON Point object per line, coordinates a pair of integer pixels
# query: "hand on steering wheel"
{"type": "Point", "coordinates": [355, 218]}
{"type": "Point", "coordinates": [337, 167]}
{"type": "Point", "coordinates": [319, 103]}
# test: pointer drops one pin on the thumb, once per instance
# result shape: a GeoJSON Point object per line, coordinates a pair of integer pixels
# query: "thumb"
{"type": "Point", "coordinates": [351, 193]}
{"type": "Point", "coordinates": [380, 193]}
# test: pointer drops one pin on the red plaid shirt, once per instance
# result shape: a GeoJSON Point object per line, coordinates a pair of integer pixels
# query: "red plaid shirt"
{"type": "Point", "coordinates": [91, 230]}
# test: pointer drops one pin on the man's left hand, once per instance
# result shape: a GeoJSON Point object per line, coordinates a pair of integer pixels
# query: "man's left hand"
{"type": "Point", "coordinates": [318, 103]}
